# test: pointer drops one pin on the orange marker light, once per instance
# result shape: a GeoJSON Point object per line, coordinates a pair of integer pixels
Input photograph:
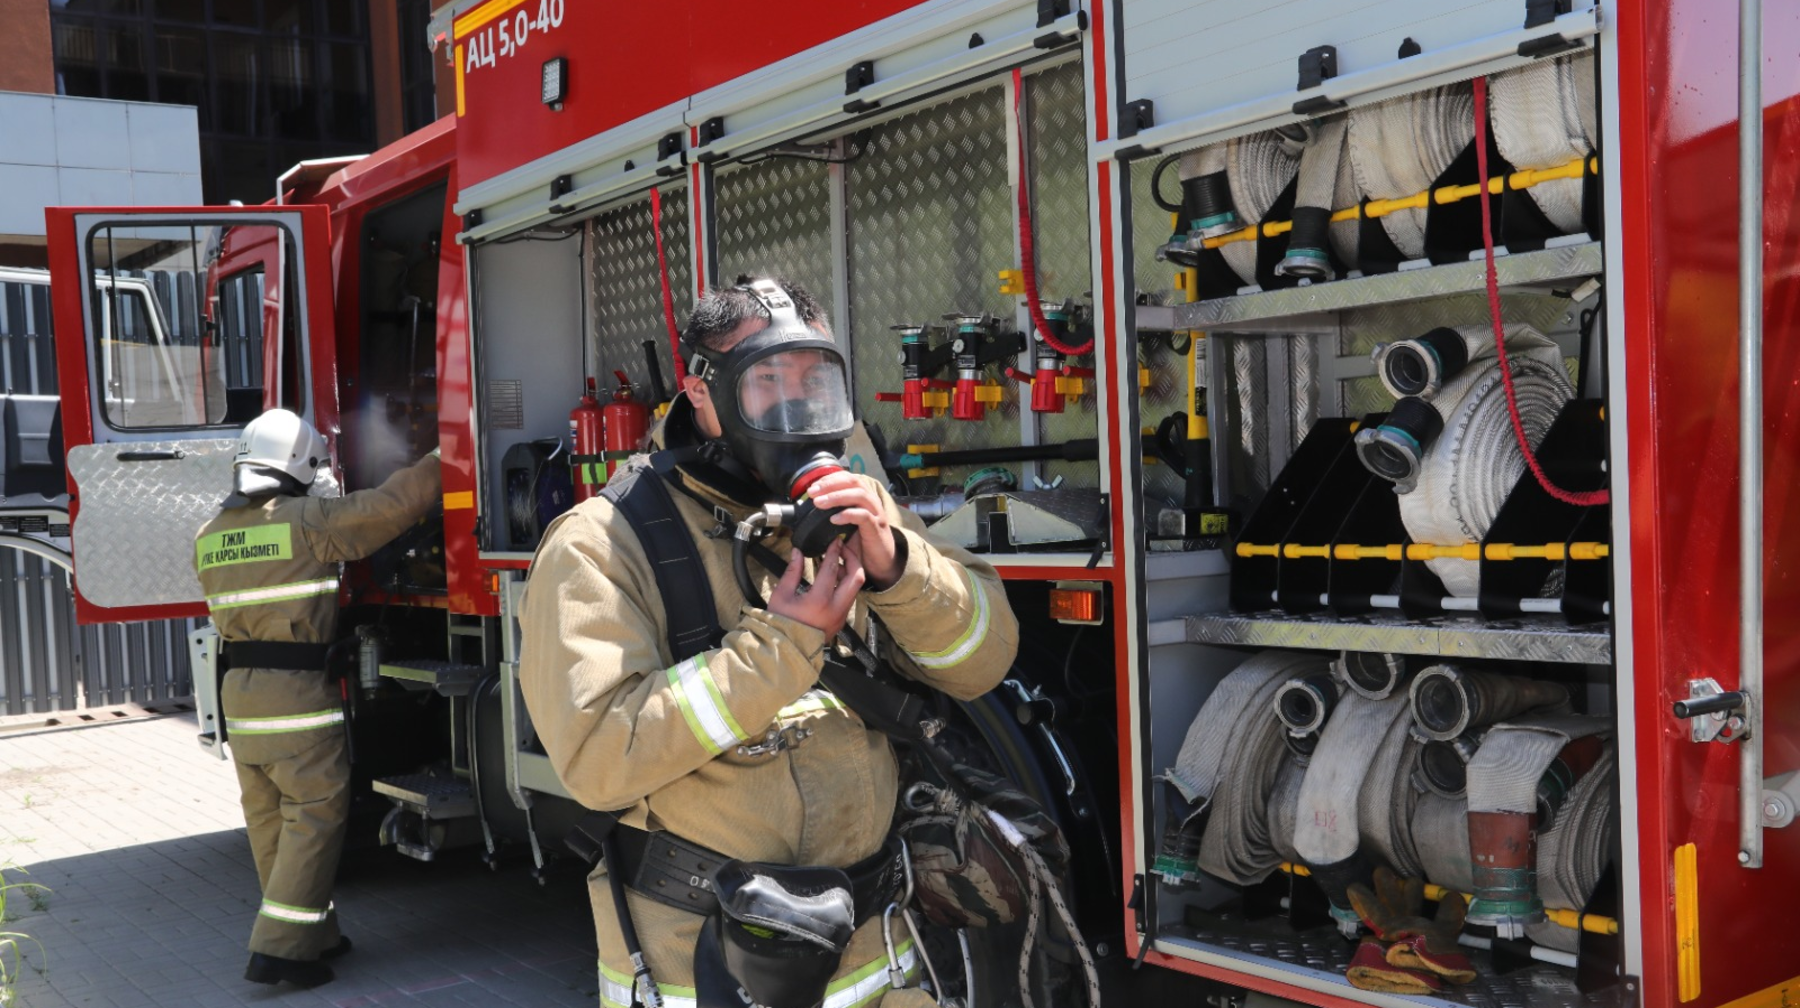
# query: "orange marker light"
{"type": "Point", "coordinates": [1076, 602]}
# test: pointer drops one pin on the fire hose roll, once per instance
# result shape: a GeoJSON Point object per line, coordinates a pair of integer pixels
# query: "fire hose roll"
{"type": "Point", "coordinates": [1469, 469]}
{"type": "Point", "coordinates": [1232, 758]}
{"type": "Point", "coordinates": [1315, 197]}
{"type": "Point", "coordinates": [1543, 115]}
{"type": "Point", "coordinates": [1504, 811]}
{"type": "Point", "coordinates": [1575, 851]}
{"type": "Point", "coordinates": [1400, 146]}
{"type": "Point", "coordinates": [1374, 675]}
{"type": "Point", "coordinates": [1327, 835]}
{"type": "Point", "coordinates": [1257, 168]}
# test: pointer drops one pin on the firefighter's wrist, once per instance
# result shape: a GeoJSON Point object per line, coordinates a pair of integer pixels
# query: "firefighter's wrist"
{"type": "Point", "coordinates": [878, 586]}
{"type": "Point", "coordinates": [911, 560]}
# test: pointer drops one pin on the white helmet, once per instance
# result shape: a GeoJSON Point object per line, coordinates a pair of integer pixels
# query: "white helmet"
{"type": "Point", "coordinates": [282, 441]}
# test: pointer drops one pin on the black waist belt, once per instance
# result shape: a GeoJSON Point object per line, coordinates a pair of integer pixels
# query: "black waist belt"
{"type": "Point", "coordinates": [277, 655]}
{"type": "Point", "coordinates": [678, 873]}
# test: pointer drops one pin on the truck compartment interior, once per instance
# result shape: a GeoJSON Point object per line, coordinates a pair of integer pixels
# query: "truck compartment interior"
{"type": "Point", "coordinates": [1403, 658]}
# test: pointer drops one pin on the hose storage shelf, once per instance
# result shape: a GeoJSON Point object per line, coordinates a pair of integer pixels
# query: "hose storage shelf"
{"type": "Point", "coordinates": [1526, 638]}
{"type": "Point", "coordinates": [1556, 265]}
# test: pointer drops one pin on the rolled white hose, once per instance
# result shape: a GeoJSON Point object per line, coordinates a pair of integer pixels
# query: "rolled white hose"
{"type": "Point", "coordinates": [1400, 146]}
{"type": "Point", "coordinates": [1543, 115]}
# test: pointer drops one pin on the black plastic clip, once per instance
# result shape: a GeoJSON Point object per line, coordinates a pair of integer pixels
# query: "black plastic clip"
{"type": "Point", "coordinates": [859, 76]}
{"type": "Point", "coordinates": [976, 41]}
{"type": "Point", "coordinates": [1137, 116]}
{"type": "Point", "coordinates": [1542, 12]}
{"type": "Point", "coordinates": [1409, 47]}
{"type": "Point", "coordinates": [668, 146]}
{"type": "Point", "coordinates": [471, 220]}
{"type": "Point", "coordinates": [712, 129]}
{"type": "Point", "coordinates": [1317, 65]}
{"type": "Point", "coordinates": [561, 185]}
{"type": "Point", "coordinates": [1050, 10]}
{"type": "Point", "coordinates": [1548, 45]}
{"type": "Point", "coordinates": [857, 106]}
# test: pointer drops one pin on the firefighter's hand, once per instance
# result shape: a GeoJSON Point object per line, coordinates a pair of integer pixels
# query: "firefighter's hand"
{"type": "Point", "coordinates": [825, 604]}
{"type": "Point", "coordinates": [864, 513]}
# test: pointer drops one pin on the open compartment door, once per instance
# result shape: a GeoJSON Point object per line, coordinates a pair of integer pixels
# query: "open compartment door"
{"type": "Point", "coordinates": [174, 328]}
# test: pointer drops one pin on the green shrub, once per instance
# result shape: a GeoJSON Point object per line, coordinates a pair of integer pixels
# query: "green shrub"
{"type": "Point", "coordinates": [12, 952]}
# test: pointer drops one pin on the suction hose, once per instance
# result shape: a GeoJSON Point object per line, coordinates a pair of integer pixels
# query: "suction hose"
{"type": "Point", "coordinates": [1447, 701]}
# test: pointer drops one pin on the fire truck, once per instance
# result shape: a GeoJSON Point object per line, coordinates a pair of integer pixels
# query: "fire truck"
{"type": "Point", "coordinates": [1377, 412]}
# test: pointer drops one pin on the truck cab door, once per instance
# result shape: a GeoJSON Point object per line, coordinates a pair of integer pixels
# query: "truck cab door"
{"type": "Point", "coordinates": [175, 328]}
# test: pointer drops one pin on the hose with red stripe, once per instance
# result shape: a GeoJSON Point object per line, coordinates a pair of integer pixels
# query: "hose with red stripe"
{"type": "Point", "coordinates": [668, 297]}
{"type": "Point", "coordinates": [1586, 498]}
{"type": "Point", "coordinates": [1027, 257]}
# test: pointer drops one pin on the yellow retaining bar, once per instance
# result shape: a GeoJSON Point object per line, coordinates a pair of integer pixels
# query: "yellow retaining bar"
{"type": "Point", "coordinates": [1571, 919]}
{"type": "Point", "coordinates": [1430, 551]}
{"type": "Point", "coordinates": [1421, 200]}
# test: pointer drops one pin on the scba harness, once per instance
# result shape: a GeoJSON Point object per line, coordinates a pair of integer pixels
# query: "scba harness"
{"type": "Point", "coordinates": [778, 932]}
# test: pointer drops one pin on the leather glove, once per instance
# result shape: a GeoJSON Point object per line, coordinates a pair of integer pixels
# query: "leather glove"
{"type": "Point", "coordinates": [1369, 970]}
{"type": "Point", "coordinates": [1394, 911]}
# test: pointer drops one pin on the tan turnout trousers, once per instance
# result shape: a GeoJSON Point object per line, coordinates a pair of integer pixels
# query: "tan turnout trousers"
{"type": "Point", "coordinates": [270, 573]}
{"type": "Point", "coordinates": [676, 744]}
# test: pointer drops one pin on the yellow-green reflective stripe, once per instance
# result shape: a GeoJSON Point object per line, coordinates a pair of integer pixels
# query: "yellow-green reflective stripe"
{"type": "Point", "coordinates": [703, 705]}
{"type": "Point", "coordinates": [293, 914]}
{"type": "Point", "coordinates": [273, 593]}
{"type": "Point", "coordinates": [615, 991]}
{"type": "Point", "coordinates": [972, 636]}
{"type": "Point", "coordinates": [265, 542]}
{"type": "Point", "coordinates": [809, 702]}
{"type": "Point", "coordinates": [849, 991]}
{"type": "Point", "coordinates": [285, 723]}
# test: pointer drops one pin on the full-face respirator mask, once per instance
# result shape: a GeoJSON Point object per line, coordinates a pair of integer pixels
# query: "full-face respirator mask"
{"type": "Point", "coordinates": [784, 412]}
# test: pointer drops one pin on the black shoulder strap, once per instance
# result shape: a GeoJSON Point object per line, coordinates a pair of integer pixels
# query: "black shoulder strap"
{"type": "Point", "coordinates": [643, 498]}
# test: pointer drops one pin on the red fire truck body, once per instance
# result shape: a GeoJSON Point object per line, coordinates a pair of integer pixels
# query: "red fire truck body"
{"type": "Point", "coordinates": [875, 151]}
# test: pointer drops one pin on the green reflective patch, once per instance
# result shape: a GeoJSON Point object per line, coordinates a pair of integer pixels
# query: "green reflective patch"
{"type": "Point", "coordinates": [266, 542]}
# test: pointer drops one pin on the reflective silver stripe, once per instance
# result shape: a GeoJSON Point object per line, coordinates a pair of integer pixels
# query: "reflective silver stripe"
{"type": "Point", "coordinates": [850, 991]}
{"type": "Point", "coordinates": [703, 706]}
{"type": "Point", "coordinates": [293, 914]}
{"type": "Point", "coordinates": [274, 593]}
{"type": "Point", "coordinates": [971, 639]}
{"type": "Point", "coordinates": [288, 723]}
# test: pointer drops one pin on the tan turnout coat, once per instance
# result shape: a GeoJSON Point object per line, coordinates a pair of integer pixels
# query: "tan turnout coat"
{"type": "Point", "coordinates": [628, 728]}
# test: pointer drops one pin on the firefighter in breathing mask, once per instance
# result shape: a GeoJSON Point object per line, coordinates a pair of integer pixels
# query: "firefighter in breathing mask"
{"type": "Point", "coordinates": [711, 738]}
{"type": "Point", "coordinates": [268, 562]}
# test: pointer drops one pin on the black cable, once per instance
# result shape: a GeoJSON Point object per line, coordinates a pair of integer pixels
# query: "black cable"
{"type": "Point", "coordinates": [1156, 184]}
{"type": "Point", "coordinates": [1590, 318]}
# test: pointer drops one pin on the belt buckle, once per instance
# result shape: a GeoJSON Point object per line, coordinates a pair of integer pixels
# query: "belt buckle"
{"type": "Point", "coordinates": [775, 740]}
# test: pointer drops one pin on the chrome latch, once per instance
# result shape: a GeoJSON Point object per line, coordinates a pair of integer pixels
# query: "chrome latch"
{"type": "Point", "coordinates": [776, 739]}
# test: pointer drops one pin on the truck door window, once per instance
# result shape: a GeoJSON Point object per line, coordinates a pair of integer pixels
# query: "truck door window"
{"type": "Point", "coordinates": [181, 319]}
{"type": "Point", "coordinates": [237, 314]}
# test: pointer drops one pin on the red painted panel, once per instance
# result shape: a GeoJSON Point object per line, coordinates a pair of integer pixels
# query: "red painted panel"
{"type": "Point", "coordinates": [1679, 176]}
{"type": "Point", "coordinates": [625, 61]}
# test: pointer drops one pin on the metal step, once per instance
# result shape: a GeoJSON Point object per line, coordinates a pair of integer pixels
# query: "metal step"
{"type": "Point", "coordinates": [447, 678]}
{"type": "Point", "coordinates": [432, 796]}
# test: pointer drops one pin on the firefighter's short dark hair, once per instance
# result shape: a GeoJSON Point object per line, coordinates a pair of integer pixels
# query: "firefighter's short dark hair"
{"type": "Point", "coordinates": [718, 314]}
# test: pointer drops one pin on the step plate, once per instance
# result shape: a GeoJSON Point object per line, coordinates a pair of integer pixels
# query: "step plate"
{"type": "Point", "coordinates": [432, 796]}
{"type": "Point", "coordinates": [447, 678]}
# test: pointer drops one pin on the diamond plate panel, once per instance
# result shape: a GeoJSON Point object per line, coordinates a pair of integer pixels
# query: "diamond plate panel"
{"type": "Point", "coordinates": [134, 539]}
{"type": "Point", "coordinates": [1056, 125]}
{"type": "Point", "coordinates": [1544, 639]}
{"type": "Point", "coordinates": [1364, 327]}
{"type": "Point", "coordinates": [1322, 954]}
{"type": "Point", "coordinates": [930, 228]}
{"type": "Point", "coordinates": [774, 219]}
{"type": "Point", "coordinates": [1545, 266]}
{"type": "Point", "coordinates": [624, 294]}
{"type": "Point", "coordinates": [1247, 426]}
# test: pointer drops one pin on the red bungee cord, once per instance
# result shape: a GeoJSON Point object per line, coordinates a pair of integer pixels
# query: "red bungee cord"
{"type": "Point", "coordinates": [1028, 259]}
{"type": "Point", "coordinates": [668, 298]}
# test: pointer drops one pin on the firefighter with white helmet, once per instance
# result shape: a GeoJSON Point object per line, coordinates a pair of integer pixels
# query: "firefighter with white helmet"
{"type": "Point", "coordinates": [268, 563]}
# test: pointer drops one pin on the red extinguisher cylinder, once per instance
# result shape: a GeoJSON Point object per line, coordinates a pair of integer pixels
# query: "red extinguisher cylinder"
{"type": "Point", "coordinates": [963, 404]}
{"type": "Point", "coordinates": [1044, 397]}
{"type": "Point", "coordinates": [627, 422]}
{"type": "Point", "coordinates": [912, 400]}
{"type": "Point", "coordinates": [587, 435]}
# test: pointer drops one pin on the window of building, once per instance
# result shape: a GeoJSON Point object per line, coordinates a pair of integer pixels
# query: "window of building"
{"type": "Point", "coordinates": [270, 77]}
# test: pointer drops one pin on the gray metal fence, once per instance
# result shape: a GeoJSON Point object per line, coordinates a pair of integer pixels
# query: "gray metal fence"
{"type": "Point", "coordinates": [47, 663]}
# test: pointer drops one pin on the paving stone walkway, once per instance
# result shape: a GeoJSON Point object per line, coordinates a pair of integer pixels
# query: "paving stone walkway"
{"type": "Point", "coordinates": [137, 833]}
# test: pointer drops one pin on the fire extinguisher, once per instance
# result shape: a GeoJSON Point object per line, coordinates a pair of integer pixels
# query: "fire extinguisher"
{"type": "Point", "coordinates": [587, 438]}
{"type": "Point", "coordinates": [627, 421]}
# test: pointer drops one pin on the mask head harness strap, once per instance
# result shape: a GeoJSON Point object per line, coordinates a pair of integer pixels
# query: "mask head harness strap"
{"type": "Point", "coordinates": [784, 324]}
